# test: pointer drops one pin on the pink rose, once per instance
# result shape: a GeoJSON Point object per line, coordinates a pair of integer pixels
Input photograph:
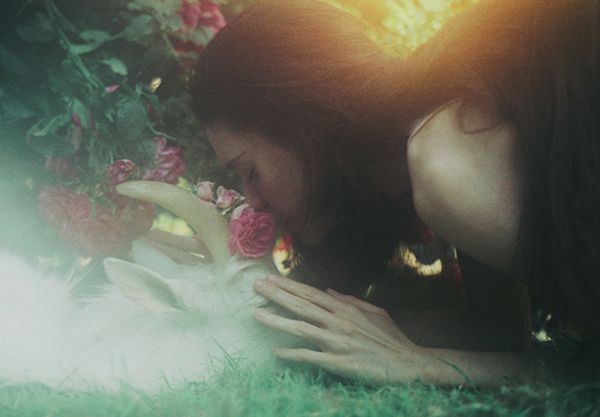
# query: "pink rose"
{"type": "Point", "coordinates": [204, 190]}
{"type": "Point", "coordinates": [120, 171]}
{"type": "Point", "coordinates": [226, 198]}
{"type": "Point", "coordinates": [204, 13]}
{"type": "Point", "coordinates": [169, 163]}
{"type": "Point", "coordinates": [252, 234]}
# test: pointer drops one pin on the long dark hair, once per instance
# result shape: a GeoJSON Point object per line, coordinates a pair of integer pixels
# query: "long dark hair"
{"type": "Point", "coordinates": [306, 72]}
{"type": "Point", "coordinates": [538, 63]}
{"type": "Point", "coordinates": [303, 66]}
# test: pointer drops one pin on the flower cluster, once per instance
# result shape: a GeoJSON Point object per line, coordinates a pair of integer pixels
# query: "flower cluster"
{"type": "Point", "coordinates": [195, 14]}
{"type": "Point", "coordinates": [107, 127]}
{"type": "Point", "coordinates": [93, 229]}
{"type": "Point", "coordinates": [169, 163]}
{"type": "Point", "coordinates": [168, 166]}
{"type": "Point", "coordinates": [251, 232]}
{"type": "Point", "coordinates": [107, 225]}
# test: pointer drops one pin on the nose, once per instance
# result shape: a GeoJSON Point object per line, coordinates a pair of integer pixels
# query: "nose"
{"type": "Point", "coordinates": [254, 198]}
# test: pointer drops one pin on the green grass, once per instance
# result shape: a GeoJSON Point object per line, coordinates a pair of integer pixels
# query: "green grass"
{"type": "Point", "coordinates": [295, 392]}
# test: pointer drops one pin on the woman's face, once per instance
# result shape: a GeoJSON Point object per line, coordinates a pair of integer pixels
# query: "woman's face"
{"type": "Point", "coordinates": [272, 177]}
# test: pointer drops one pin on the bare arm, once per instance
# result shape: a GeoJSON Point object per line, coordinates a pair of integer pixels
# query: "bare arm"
{"type": "Point", "coordinates": [457, 367]}
{"type": "Point", "coordinates": [467, 186]}
{"type": "Point", "coordinates": [355, 339]}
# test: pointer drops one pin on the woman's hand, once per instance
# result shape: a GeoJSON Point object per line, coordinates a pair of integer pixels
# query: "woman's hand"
{"type": "Point", "coordinates": [356, 339]}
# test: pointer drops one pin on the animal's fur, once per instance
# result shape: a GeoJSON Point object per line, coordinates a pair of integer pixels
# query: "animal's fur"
{"type": "Point", "coordinates": [149, 328]}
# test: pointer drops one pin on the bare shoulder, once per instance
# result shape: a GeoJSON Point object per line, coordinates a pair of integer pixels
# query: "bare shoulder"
{"type": "Point", "coordinates": [466, 179]}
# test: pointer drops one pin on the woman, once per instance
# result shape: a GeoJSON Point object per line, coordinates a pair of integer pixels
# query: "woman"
{"type": "Point", "coordinates": [488, 135]}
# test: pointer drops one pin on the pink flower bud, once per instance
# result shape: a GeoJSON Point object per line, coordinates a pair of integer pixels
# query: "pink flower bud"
{"type": "Point", "coordinates": [226, 198]}
{"type": "Point", "coordinates": [111, 88]}
{"type": "Point", "coordinates": [75, 119]}
{"type": "Point", "coordinates": [204, 190]}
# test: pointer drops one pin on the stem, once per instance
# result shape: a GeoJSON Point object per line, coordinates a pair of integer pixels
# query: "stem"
{"type": "Point", "coordinates": [56, 16]}
{"type": "Point", "coordinates": [54, 12]}
{"type": "Point", "coordinates": [159, 133]}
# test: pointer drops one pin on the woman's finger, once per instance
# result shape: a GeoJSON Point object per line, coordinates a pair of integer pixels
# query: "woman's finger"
{"type": "Point", "coordinates": [306, 331]}
{"type": "Point", "coordinates": [325, 360]}
{"type": "Point", "coordinates": [299, 306]}
{"type": "Point", "coordinates": [357, 302]}
{"type": "Point", "coordinates": [306, 292]}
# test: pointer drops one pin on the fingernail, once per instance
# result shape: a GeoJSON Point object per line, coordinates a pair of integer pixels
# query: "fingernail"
{"type": "Point", "coordinates": [259, 312]}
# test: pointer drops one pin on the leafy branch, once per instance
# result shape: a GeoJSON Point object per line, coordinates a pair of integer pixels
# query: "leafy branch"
{"type": "Point", "coordinates": [57, 18]}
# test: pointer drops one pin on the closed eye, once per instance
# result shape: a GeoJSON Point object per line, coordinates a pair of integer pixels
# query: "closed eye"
{"type": "Point", "coordinates": [252, 175]}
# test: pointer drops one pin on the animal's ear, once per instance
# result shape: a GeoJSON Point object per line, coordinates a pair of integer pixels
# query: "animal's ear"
{"type": "Point", "coordinates": [148, 256]}
{"type": "Point", "coordinates": [142, 285]}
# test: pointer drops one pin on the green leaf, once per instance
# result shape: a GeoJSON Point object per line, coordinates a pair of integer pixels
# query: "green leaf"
{"type": "Point", "coordinates": [95, 36]}
{"type": "Point", "coordinates": [201, 36]}
{"type": "Point", "coordinates": [36, 28]}
{"type": "Point", "coordinates": [50, 126]}
{"type": "Point", "coordinates": [94, 39]}
{"type": "Point", "coordinates": [140, 26]}
{"type": "Point", "coordinates": [82, 111]}
{"type": "Point", "coordinates": [52, 145]}
{"type": "Point", "coordinates": [66, 80]}
{"type": "Point", "coordinates": [172, 23]}
{"type": "Point", "coordinates": [109, 114]}
{"type": "Point", "coordinates": [80, 49]}
{"type": "Point", "coordinates": [131, 119]}
{"type": "Point", "coordinates": [116, 65]}
{"type": "Point", "coordinates": [134, 6]}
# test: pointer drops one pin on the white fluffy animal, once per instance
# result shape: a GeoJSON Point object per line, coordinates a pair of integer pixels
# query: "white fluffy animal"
{"type": "Point", "coordinates": [159, 322]}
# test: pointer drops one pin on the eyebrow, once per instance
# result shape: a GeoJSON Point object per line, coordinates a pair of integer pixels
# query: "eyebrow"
{"type": "Point", "coordinates": [233, 161]}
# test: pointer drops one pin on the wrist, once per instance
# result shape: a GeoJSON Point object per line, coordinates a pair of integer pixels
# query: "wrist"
{"type": "Point", "coordinates": [439, 369]}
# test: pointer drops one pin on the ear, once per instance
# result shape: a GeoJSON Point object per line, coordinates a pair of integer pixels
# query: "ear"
{"type": "Point", "coordinates": [142, 286]}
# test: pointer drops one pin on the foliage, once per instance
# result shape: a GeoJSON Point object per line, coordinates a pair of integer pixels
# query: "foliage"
{"type": "Point", "coordinates": [92, 99]}
{"type": "Point", "coordinates": [94, 93]}
{"type": "Point", "coordinates": [400, 26]}
{"type": "Point", "coordinates": [300, 393]}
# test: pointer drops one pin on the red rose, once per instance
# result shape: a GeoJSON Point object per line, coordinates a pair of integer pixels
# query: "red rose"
{"type": "Point", "coordinates": [251, 234]}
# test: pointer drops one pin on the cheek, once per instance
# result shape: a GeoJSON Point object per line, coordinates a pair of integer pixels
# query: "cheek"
{"type": "Point", "coordinates": [284, 194]}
